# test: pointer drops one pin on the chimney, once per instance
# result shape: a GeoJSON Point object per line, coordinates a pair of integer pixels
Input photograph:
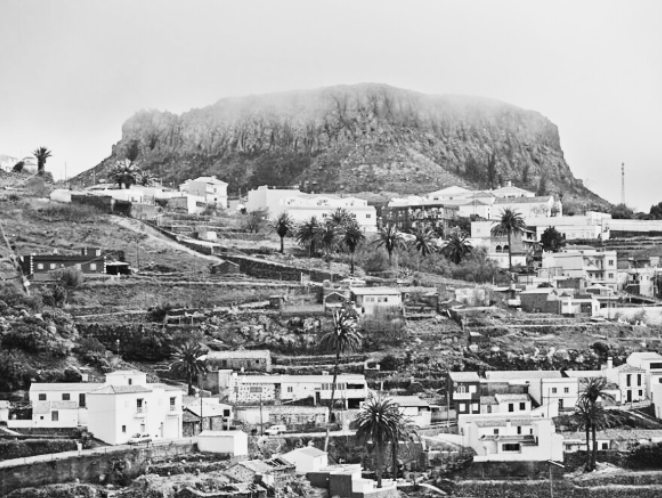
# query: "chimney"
{"type": "Point", "coordinates": [610, 363]}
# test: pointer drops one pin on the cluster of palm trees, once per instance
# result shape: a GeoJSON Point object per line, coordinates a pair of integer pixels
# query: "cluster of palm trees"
{"type": "Point", "coordinates": [125, 173]}
{"type": "Point", "coordinates": [591, 417]}
{"type": "Point", "coordinates": [339, 232]}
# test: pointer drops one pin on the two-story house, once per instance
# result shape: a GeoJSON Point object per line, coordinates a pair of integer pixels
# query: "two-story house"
{"type": "Point", "coordinates": [511, 437]}
{"type": "Point", "coordinates": [463, 392]}
{"type": "Point", "coordinates": [505, 403]}
{"type": "Point", "coordinates": [241, 360]}
{"type": "Point", "coordinates": [351, 389]}
{"type": "Point", "coordinates": [651, 363]}
{"type": "Point", "coordinates": [59, 404]}
{"type": "Point", "coordinates": [213, 190]}
{"type": "Point", "coordinates": [127, 404]}
{"type": "Point", "coordinates": [546, 387]}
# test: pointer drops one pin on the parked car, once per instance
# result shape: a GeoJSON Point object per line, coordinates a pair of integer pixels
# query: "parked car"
{"type": "Point", "coordinates": [142, 438]}
{"type": "Point", "coordinates": [353, 281]}
{"type": "Point", "coordinates": [274, 430]}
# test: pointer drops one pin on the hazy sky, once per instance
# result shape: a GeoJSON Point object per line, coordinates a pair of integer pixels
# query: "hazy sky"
{"type": "Point", "coordinates": [72, 71]}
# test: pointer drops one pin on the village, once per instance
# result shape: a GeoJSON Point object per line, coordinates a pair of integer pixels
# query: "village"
{"type": "Point", "coordinates": [504, 376]}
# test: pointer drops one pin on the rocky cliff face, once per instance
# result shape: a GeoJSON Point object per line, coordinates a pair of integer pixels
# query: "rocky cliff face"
{"type": "Point", "coordinates": [361, 138]}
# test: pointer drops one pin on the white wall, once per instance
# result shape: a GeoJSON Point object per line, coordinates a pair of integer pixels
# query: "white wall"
{"type": "Point", "coordinates": [223, 442]}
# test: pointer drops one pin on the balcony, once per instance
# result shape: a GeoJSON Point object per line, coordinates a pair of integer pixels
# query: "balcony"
{"type": "Point", "coordinates": [174, 410]}
{"type": "Point", "coordinates": [141, 411]}
{"type": "Point", "coordinates": [461, 396]}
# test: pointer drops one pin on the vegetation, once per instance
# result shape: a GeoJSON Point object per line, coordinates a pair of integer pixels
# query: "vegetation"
{"type": "Point", "coordinates": [343, 338]}
{"type": "Point", "coordinates": [124, 173]}
{"type": "Point", "coordinates": [352, 238]}
{"type": "Point", "coordinates": [591, 417]}
{"type": "Point", "coordinates": [307, 235]}
{"type": "Point", "coordinates": [511, 223]}
{"type": "Point", "coordinates": [552, 240]}
{"type": "Point", "coordinates": [377, 424]}
{"type": "Point", "coordinates": [18, 167]}
{"type": "Point", "coordinates": [283, 225]}
{"type": "Point", "coordinates": [41, 154]}
{"type": "Point", "coordinates": [390, 238]}
{"type": "Point", "coordinates": [622, 212]}
{"type": "Point", "coordinates": [255, 221]}
{"type": "Point", "coordinates": [145, 178]}
{"type": "Point", "coordinates": [187, 363]}
{"type": "Point", "coordinates": [457, 247]}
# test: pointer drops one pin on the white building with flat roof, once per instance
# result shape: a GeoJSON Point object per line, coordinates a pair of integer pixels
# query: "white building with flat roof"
{"type": "Point", "coordinates": [213, 190]}
{"type": "Point", "coordinates": [252, 389]}
{"type": "Point", "coordinates": [595, 267]}
{"type": "Point", "coordinates": [373, 300]}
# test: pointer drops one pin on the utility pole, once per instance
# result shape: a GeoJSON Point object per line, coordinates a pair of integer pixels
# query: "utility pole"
{"type": "Point", "coordinates": [623, 183]}
{"type": "Point", "coordinates": [261, 421]}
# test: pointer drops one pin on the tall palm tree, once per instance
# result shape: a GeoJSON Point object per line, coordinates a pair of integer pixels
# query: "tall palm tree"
{"type": "Point", "coordinates": [377, 422]}
{"type": "Point", "coordinates": [390, 238]}
{"type": "Point", "coordinates": [282, 226]}
{"type": "Point", "coordinates": [457, 247]}
{"type": "Point", "coordinates": [591, 415]}
{"type": "Point", "coordinates": [511, 222]}
{"type": "Point", "coordinates": [422, 242]}
{"type": "Point", "coordinates": [352, 238]}
{"type": "Point", "coordinates": [344, 338]}
{"type": "Point", "coordinates": [41, 154]}
{"type": "Point", "coordinates": [308, 234]}
{"type": "Point", "coordinates": [328, 237]}
{"type": "Point", "coordinates": [187, 363]}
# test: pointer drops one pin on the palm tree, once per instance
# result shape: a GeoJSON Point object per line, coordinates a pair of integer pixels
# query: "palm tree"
{"type": "Point", "coordinates": [511, 222]}
{"type": "Point", "coordinates": [352, 238]}
{"type": "Point", "coordinates": [283, 225]}
{"type": "Point", "coordinates": [457, 247]}
{"type": "Point", "coordinates": [328, 237]}
{"type": "Point", "coordinates": [390, 238]}
{"type": "Point", "coordinates": [308, 233]}
{"type": "Point", "coordinates": [590, 414]}
{"type": "Point", "coordinates": [422, 242]}
{"type": "Point", "coordinates": [340, 217]}
{"type": "Point", "coordinates": [187, 363]}
{"type": "Point", "coordinates": [344, 338]}
{"type": "Point", "coordinates": [124, 173]}
{"type": "Point", "coordinates": [41, 154]}
{"type": "Point", "coordinates": [377, 422]}
{"type": "Point", "coordinates": [144, 178]}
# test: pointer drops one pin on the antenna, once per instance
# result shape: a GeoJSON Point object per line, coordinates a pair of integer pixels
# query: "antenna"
{"type": "Point", "coordinates": [623, 183]}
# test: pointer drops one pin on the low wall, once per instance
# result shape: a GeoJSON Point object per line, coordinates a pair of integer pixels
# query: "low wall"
{"type": "Point", "coordinates": [102, 465]}
{"type": "Point", "coordinates": [653, 313]}
{"type": "Point", "coordinates": [511, 470]}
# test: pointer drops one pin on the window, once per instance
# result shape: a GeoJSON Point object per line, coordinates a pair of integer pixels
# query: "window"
{"type": "Point", "coordinates": [511, 407]}
{"type": "Point", "coordinates": [605, 446]}
{"type": "Point", "coordinates": [641, 394]}
{"type": "Point", "coordinates": [42, 396]}
{"type": "Point", "coordinates": [655, 366]}
{"type": "Point", "coordinates": [82, 402]}
{"type": "Point", "coordinates": [254, 389]}
{"type": "Point", "coordinates": [554, 390]}
{"type": "Point", "coordinates": [496, 432]}
{"type": "Point", "coordinates": [226, 413]}
{"type": "Point", "coordinates": [93, 266]}
{"type": "Point", "coordinates": [55, 416]}
{"type": "Point", "coordinates": [463, 407]}
{"type": "Point", "coordinates": [461, 389]}
{"type": "Point", "coordinates": [561, 404]}
{"type": "Point", "coordinates": [66, 397]}
{"type": "Point", "coordinates": [522, 406]}
{"type": "Point", "coordinates": [611, 262]}
{"type": "Point", "coordinates": [628, 380]}
{"type": "Point", "coordinates": [368, 216]}
{"type": "Point", "coordinates": [519, 429]}
{"type": "Point", "coordinates": [474, 407]}
{"type": "Point", "coordinates": [124, 429]}
{"type": "Point", "coordinates": [511, 447]}
{"type": "Point", "coordinates": [139, 405]}
{"type": "Point", "coordinates": [638, 379]}
{"type": "Point", "coordinates": [40, 266]}
{"type": "Point", "coordinates": [611, 276]}
{"type": "Point", "coordinates": [290, 389]}
{"type": "Point", "coordinates": [472, 389]}
{"type": "Point", "coordinates": [566, 390]}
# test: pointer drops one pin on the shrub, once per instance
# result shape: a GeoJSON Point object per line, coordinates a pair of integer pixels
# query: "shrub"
{"type": "Point", "coordinates": [28, 338]}
{"type": "Point", "coordinates": [15, 372]}
{"type": "Point", "coordinates": [646, 456]}
{"type": "Point", "coordinates": [70, 278]}
{"type": "Point", "coordinates": [389, 363]}
{"type": "Point", "coordinates": [158, 313]}
{"type": "Point", "coordinates": [70, 213]}
{"type": "Point", "coordinates": [375, 262]}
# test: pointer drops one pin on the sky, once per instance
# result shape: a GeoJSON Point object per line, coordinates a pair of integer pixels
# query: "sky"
{"type": "Point", "coordinates": [72, 71]}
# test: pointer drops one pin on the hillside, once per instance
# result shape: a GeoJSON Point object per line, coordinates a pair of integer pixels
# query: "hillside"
{"type": "Point", "coordinates": [361, 138]}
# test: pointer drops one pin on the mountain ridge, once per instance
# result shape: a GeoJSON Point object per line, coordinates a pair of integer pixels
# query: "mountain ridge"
{"type": "Point", "coordinates": [352, 138]}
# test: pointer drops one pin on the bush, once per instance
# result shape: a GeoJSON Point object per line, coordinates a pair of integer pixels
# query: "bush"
{"type": "Point", "coordinates": [647, 456]}
{"type": "Point", "coordinates": [32, 447]}
{"type": "Point", "coordinates": [15, 372]}
{"type": "Point", "coordinates": [70, 212]}
{"type": "Point", "coordinates": [28, 338]}
{"type": "Point", "coordinates": [389, 363]}
{"type": "Point", "coordinates": [70, 278]}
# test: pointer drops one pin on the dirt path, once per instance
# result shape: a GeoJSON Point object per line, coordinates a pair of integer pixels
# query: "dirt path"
{"type": "Point", "coordinates": [143, 229]}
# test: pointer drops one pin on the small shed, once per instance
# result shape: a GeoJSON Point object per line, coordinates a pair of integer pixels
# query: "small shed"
{"type": "Point", "coordinates": [224, 268]}
{"type": "Point", "coordinates": [233, 443]}
{"type": "Point", "coordinates": [309, 459]}
{"type": "Point", "coordinates": [4, 411]}
{"type": "Point", "coordinates": [334, 299]}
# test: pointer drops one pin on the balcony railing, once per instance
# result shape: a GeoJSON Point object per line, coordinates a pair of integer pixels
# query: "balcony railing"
{"type": "Point", "coordinates": [457, 395]}
{"type": "Point", "coordinates": [141, 411]}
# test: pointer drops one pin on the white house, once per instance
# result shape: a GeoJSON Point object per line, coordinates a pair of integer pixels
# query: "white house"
{"type": "Point", "coordinates": [59, 404]}
{"type": "Point", "coordinates": [651, 363]}
{"type": "Point", "coordinates": [302, 206]}
{"type": "Point", "coordinates": [373, 300]}
{"type": "Point", "coordinates": [308, 459]}
{"type": "Point", "coordinates": [511, 437]}
{"type": "Point", "coordinates": [4, 410]}
{"type": "Point", "coordinates": [545, 387]}
{"type": "Point", "coordinates": [414, 409]}
{"type": "Point", "coordinates": [505, 403]}
{"type": "Point", "coordinates": [233, 443]}
{"type": "Point", "coordinates": [351, 389]}
{"type": "Point", "coordinates": [213, 190]}
{"type": "Point", "coordinates": [596, 267]}
{"type": "Point", "coordinates": [528, 207]}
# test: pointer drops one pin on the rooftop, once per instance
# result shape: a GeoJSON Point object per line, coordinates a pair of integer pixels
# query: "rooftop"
{"type": "Point", "coordinates": [488, 400]}
{"type": "Point", "coordinates": [523, 200]}
{"type": "Point", "coordinates": [242, 353]}
{"type": "Point", "coordinates": [404, 401]}
{"type": "Point", "coordinates": [510, 375]}
{"type": "Point", "coordinates": [369, 291]}
{"type": "Point", "coordinates": [464, 376]}
{"type": "Point", "coordinates": [310, 451]}
{"type": "Point", "coordinates": [42, 407]}
{"type": "Point", "coordinates": [278, 379]}
{"type": "Point", "coordinates": [113, 389]}
{"type": "Point", "coordinates": [64, 386]}
{"type": "Point", "coordinates": [511, 397]}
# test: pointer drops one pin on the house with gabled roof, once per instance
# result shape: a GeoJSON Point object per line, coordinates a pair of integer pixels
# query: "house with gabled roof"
{"type": "Point", "coordinates": [307, 459]}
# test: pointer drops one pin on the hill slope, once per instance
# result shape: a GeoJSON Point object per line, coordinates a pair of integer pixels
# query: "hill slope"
{"type": "Point", "coordinates": [360, 138]}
